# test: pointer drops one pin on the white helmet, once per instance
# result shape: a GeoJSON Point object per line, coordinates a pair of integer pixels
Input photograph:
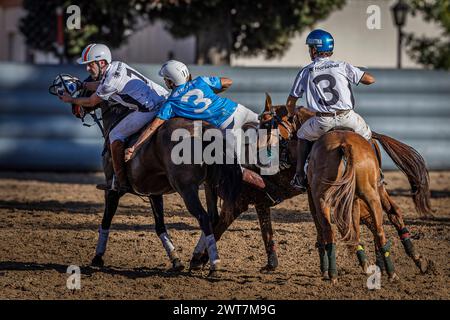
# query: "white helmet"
{"type": "Point", "coordinates": [176, 71]}
{"type": "Point", "coordinates": [66, 83]}
{"type": "Point", "coordinates": [95, 52]}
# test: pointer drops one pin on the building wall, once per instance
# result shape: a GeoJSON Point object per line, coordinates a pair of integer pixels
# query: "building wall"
{"type": "Point", "coordinates": [354, 42]}
{"type": "Point", "coordinates": [153, 44]}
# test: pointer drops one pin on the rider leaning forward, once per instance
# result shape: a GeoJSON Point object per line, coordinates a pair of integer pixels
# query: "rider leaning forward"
{"type": "Point", "coordinates": [117, 81]}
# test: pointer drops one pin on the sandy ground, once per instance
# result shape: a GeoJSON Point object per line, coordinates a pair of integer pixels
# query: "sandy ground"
{"type": "Point", "coordinates": [49, 221]}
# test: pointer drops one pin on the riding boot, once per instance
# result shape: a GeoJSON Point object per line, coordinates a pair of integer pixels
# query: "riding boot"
{"type": "Point", "coordinates": [299, 181]}
{"type": "Point", "coordinates": [118, 161]}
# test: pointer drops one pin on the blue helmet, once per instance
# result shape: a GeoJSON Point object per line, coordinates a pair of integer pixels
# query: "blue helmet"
{"type": "Point", "coordinates": [320, 39]}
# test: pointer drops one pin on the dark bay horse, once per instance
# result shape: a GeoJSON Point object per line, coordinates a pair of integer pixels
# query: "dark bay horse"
{"type": "Point", "coordinates": [406, 158]}
{"type": "Point", "coordinates": [152, 173]}
{"type": "Point", "coordinates": [111, 114]}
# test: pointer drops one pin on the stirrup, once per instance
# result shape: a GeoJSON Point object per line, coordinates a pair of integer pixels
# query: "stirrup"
{"type": "Point", "coordinates": [103, 187]}
{"type": "Point", "coordinates": [299, 184]}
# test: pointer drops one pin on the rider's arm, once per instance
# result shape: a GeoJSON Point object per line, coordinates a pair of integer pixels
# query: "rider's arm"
{"type": "Point", "coordinates": [148, 132]}
{"type": "Point", "coordinates": [290, 105]}
{"type": "Point", "coordinates": [91, 85]}
{"type": "Point", "coordinates": [367, 78]}
{"type": "Point", "coordinates": [91, 101]}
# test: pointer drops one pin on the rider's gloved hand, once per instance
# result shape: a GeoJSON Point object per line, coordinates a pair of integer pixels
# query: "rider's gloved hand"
{"type": "Point", "coordinates": [129, 153]}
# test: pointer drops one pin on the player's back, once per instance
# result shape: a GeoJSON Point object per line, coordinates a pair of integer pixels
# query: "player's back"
{"type": "Point", "coordinates": [197, 100]}
{"type": "Point", "coordinates": [130, 88]}
{"type": "Point", "coordinates": [328, 84]}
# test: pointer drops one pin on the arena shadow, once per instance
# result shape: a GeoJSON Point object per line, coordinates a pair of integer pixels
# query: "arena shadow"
{"type": "Point", "coordinates": [56, 177]}
{"type": "Point", "coordinates": [80, 207]}
{"type": "Point", "coordinates": [435, 194]}
{"type": "Point", "coordinates": [133, 273]}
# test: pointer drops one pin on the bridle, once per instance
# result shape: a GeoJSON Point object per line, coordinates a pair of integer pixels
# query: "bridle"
{"type": "Point", "coordinates": [276, 121]}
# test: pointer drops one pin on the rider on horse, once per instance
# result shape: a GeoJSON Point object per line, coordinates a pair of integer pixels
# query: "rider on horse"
{"type": "Point", "coordinates": [196, 99]}
{"type": "Point", "coordinates": [327, 84]}
{"type": "Point", "coordinates": [117, 81]}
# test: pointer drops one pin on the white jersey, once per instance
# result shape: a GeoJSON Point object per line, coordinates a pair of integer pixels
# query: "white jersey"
{"type": "Point", "coordinates": [123, 84]}
{"type": "Point", "coordinates": [327, 85]}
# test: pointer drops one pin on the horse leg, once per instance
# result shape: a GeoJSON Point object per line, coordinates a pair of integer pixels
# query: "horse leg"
{"type": "Point", "coordinates": [157, 204]}
{"type": "Point", "coordinates": [320, 242]}
{"type": "Point", "coordinates": [396, 217]}
{"type": "Point", "coordinates": [372, 199]}
{"type": "Point", "coordinates": [265, 223]}
{"type": "Point", "coordinates": [324, 218]}
{"type": "Point", "coordinates": [368, 221]}
{"type": "Point", "coordinates": [194, 206]}
{"type": "Point", "coordinates": [360, 252]}
{"type": "Point", "coordinates": [200, 255]}
{"type": "Point", "coordinates": [111, 203]}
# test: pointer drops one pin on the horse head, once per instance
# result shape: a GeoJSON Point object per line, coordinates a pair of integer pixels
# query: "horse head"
{"type": "Point", "coordinates": [276, 117]}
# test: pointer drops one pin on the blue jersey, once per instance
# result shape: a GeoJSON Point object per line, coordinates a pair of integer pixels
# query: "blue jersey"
{"type": "Point", "coordinates": [196, 100]}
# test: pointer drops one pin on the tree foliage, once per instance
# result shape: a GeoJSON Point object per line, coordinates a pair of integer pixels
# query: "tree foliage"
{"type": "Point", "coordinates": [103, 21]}
{"type": "Point", "coordinates": [241, 27]}
{"type": "Point", "coordinates": [221, 27]}
{"type": "Point", "coordinates": [432, 52]}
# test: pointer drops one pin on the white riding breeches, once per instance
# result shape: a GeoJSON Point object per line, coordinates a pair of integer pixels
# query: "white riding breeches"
{"type": "Point", "coordinates": [131, 124]}
{"type": "Point", "coordinates": [234, 123]}
{"type": "Point", "coordinates": [315, 127]}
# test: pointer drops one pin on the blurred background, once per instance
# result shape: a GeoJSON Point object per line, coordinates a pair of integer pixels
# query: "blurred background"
{"type": "Point", "coordinates": [258, 44]}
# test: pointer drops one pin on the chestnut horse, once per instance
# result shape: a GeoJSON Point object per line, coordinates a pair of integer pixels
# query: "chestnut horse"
{"type": "Point", "coordinates": [406, 158]}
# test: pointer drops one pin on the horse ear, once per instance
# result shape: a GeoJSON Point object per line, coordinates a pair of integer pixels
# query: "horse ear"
{"type": "Point", "coordinates": [268, 102]}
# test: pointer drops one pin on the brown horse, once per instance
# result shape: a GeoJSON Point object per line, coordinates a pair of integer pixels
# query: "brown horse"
{"type": "Point", "coordinates": [405, 157]}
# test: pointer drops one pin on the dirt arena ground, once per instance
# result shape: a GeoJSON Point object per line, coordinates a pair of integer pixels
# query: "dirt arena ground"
{"type": "Point", "coordinates": [49, 221]}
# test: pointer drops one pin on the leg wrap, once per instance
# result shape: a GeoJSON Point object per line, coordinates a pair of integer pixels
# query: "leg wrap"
{"type": "Point", "coordinates": [102, 241]}
{"type": "Point", "coordinates": [385, 251]}
{"type": "Point", "coordinates": [323, 258]}
{"type": "Point", "coordinates": [361, 254]}
{"type": "Point", "coordinates": [407, 243]}
{"type": "Point", "coordinates": [380, 261]}
{"type": "Point", "coordinates": [212, 249]}
{"type": "Point", "coordinates": [331, 255]}
{"type": "Point", "coordinates": [272, 259]}
{"type": "Point", "coordinates": [167, 244]}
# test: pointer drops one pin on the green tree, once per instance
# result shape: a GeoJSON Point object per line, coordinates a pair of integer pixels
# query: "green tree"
{"type": "Point", "coordinates": [432, 52]}
{"type": "Point", "coordinates": [103, 21]}
{"type": "Point", "coordinates": [240, 27]}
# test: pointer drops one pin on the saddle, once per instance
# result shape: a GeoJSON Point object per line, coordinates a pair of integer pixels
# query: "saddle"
{"type": "Point", "coordinates": [341, 128]}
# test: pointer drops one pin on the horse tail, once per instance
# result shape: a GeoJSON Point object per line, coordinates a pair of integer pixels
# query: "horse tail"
{"type": "Point", "coordinates": [340, 195]}
{"type": "Point", "coordinates": [412, 164]}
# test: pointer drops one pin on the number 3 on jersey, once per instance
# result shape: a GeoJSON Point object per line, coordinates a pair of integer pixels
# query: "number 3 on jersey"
{"type": "Point", "coordinates": [330, 89]}
{"type": "Point", "coordinates": [200, 98]}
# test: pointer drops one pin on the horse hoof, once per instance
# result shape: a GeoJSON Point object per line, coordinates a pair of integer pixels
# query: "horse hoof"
{"type": "Point", "coordinates": [325, 276]}
{"type": "Point", "coordinates": [365, 267]}
{"type": "Point", "coordinates": [214, 271]}
{"type": "Point", "coordinates": [177, 265]}
{"type": "Point", "coordinates": [334, 281]}
{"type": "Point", "coordinates": [97, 262]}
{"type": "Point", "coordinates": [214, 274]}
{"type": "Point", "coordinates": [422, 264]}
{"type": "Point", "coordinates": [267, 268]}
{"type": "Point", "coordinates": [195, 264]}
{"type": "Point", "coordinates": [393, 278]}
